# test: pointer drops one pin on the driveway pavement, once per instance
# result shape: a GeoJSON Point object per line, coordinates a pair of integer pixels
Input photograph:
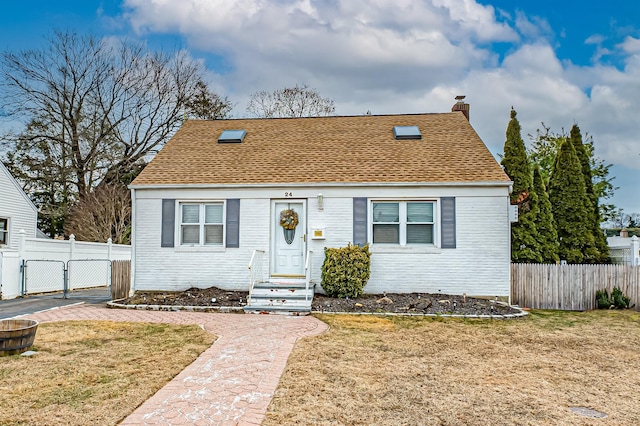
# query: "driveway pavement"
{"type": "Point", "coordinates": [231, 383]}
{"type": "Point", "coordinates": [32, 304]}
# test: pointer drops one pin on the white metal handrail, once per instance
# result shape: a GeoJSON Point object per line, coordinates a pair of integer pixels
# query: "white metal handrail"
{"type": "Point", "coordinates": [255, 271]}
{"type": "Point", "coordinates": [307, 274]}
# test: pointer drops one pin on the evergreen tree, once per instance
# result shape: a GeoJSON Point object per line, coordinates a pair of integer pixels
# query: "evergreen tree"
{"type": "Point", "coordinates": [207, 105]}
{"type": "Point", "coordinates": [547, 234]}
{"type": "Point", "coordinates": [514, 161]}
{"type": "Point", "coordinates": [544, 147]}
{"type": "Point", "coordinates": [524, 237]}
{"type": "Point", "coordinates": [602, 254]}
{"type": "Point", "coordinates": [570, 207]}
{"type": "Point", "coordinates": [576, 140]}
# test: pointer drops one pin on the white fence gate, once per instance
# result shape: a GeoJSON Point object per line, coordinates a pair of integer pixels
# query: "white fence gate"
{"type": "Point", "coordinates": [88, 273]}
{"type": "Point", "coordinates": [46, 276]}
{"type": "Point", "coordinates": [39, 261]}
{"type": "Point", "coordinates": [43, 276]}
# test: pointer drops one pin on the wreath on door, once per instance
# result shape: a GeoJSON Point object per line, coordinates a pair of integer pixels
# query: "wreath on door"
{"type": "Point", "coordinates": [289, 219]}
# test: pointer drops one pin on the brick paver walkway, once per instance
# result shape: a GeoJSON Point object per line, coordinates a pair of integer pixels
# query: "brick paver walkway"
{"type": "Point", "coordinates": [231, 383]}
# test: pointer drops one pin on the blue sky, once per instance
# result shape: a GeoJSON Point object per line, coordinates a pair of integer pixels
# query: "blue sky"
{"type": "Point", "coordinates": [571, 23]}
{"type": "Point", "coordinates": [556, 63]}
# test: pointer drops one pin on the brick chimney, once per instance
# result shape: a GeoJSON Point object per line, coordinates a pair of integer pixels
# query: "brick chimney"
{"type": "Point", "coordinates": [460, 105]}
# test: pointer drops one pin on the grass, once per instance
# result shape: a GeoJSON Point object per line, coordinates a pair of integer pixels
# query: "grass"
{"type": "Point", "coordinates": [93, 372]}
{"type": "Point", "coordinates": [397, 371]}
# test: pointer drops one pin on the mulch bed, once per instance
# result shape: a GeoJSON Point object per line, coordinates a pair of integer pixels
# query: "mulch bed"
{"type": "Point", "coordinates": [401, 303]}
{"type": "Point", "coordinates": [211, 296]}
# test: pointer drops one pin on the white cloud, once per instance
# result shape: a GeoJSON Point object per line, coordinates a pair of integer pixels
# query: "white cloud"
{"type": "Point", "coordinates": [395, 56]}
{"type": "Point", "coordinates": [631, 45]}
{"type": "Point", "coordinates": [601, 51]}
{"type": "Point", "coordinates": [372, 45]}
{"type": "Point", "coordinates": [476, 19]}
{"type": "Point", "coordinates": [532, 27]}
{"type": "Point", "coordinates": [595, 39]}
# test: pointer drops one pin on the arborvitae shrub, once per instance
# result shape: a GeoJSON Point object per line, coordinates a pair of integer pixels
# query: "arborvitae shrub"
{"type": "Point", "coordinates": [346, 270]}
{"type": "Point", "coordinates": [571, 208]}
{"type": "Point", "coordinates": [525, 242]}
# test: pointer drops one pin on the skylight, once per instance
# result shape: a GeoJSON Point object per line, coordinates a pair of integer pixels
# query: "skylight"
{"type": "Point", "coordinates": [232, 136]}
{"type": "Point", "coordinates": [406, 132]}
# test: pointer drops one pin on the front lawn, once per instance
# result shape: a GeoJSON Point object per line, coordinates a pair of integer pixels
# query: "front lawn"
{"type": "Point", "coordinates": [396, 371]}
{"type": "Point", "coordinates": [93, 372]}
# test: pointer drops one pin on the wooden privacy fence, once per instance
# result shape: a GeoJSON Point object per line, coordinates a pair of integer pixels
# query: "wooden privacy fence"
{"type": "Point", "coordinates": [120, 279]}
{"type": "Point", "coordinates": [570, 287]}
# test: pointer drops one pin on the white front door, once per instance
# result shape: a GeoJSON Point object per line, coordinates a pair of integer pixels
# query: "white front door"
{"type": "Point", "coordinates": [288, 245]}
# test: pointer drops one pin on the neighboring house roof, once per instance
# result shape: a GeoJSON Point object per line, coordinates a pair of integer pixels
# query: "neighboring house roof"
{"type": "Point", "coordinates": [19, 189]}
{"type": "Point", "coordinates": [355, 149]}
{"type": "Point", "coordinates": [617, 241]}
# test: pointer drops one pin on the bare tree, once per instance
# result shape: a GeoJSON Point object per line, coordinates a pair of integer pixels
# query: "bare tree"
{"type": "Point", "coordinates": [104, 213]}
{"type": "Point", "coordinates": [620, 219]}
{"type": "Point", "coordinates": [103, 106]}
{"type": "Point", "coordinates": [298, 101]}
{"type": "Point", "coordinates": [93, 108]}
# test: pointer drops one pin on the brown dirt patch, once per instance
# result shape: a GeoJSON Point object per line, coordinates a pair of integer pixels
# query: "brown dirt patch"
{"type": "Point", "coordinates": [410, 303]}
{"type": "Point", "coordinates": [418, 370]}
{"type": "Point", "coordinates": [93, 372]}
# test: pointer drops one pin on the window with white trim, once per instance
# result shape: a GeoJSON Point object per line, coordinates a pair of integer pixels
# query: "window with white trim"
{"type": "Point", "coordinates": [202, 224]}
{"type": "Point", "coordinates": [403, 222]}
{"type": "Point", "coordinates": [4, 231]}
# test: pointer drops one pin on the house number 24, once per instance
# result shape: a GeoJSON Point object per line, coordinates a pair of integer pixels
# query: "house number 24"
{"type": "Point", "coordinates": [288, 194]}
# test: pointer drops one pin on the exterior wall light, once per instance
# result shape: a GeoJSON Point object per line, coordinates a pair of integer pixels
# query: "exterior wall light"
{"type": "Point", "coordinates": [320, 200]}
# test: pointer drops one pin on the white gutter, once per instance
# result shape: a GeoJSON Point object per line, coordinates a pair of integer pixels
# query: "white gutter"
{"type": "Point", "coordinates": [323, 184]}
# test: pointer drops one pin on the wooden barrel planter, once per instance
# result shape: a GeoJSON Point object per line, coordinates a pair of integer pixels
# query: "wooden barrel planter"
{"type": "Point", "coordinates": [16, 336]}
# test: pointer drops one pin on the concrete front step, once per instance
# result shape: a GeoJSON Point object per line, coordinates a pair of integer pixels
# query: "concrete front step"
{"type": "Point", "coordinates": [274, 301]}
{"type": "Point", "coordinates": [283, 284]}
{"type": "Point", "coordinates": [280, 296]}
{"type": "Point", "coordinates": [280, 310]}
{"type": "Point", "coordinates": [283, 296]}
{"type": "Point", "coordinates": [285, 293]}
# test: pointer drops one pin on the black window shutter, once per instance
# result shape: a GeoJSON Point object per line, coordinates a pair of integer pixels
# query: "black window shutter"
{"type": "Point", "coordinates": [448, 222]}
{"type": "Point", "coordinates": [168, 223]}
{"type": "Point", "coordinates": [360, 221]}
{"type": "Point", "coordinates": [233, 223]}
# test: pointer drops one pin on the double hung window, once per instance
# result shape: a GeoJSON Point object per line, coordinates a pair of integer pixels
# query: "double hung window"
{"type": "Point", "coordinates": [202, 224]}
{"type": "Point", "coordinates": [4, 231]}
{"type": "Point", "coordinates": [403, 222]}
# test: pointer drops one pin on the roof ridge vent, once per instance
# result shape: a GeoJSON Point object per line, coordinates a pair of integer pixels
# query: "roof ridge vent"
{"type": "Point", "coordinates": [232, 136]}
{"type": "Point", "coordinates": [406, 132]}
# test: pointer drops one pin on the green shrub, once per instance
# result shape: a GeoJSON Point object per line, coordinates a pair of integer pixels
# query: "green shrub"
{"type": "Point", "coordinates": [602, 299]}
{"type": "Point", "coordinates": [346, 270]}
{"type": "Point", "coordinates": [617, 300]}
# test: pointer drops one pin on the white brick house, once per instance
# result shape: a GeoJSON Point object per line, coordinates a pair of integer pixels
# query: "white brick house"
{"type": "Point", "coordinates": [422, 189]}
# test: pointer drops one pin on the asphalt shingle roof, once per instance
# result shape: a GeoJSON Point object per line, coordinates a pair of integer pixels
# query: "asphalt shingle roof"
{"type": "Point", "coordinates": [355, 149]}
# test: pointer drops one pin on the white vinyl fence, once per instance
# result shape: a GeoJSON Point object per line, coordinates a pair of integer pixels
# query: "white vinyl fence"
{"type": "Point", "coordinates": [38, 266]}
